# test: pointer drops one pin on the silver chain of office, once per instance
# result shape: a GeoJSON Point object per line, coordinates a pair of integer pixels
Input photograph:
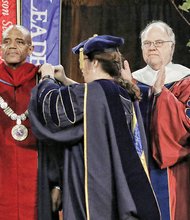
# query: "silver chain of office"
{"type": "Point", "coordinates": [19, 132]}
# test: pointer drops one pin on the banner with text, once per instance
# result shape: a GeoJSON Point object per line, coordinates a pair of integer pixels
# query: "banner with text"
{"type": "Point", "coordinates": [8, 15]}
{"type": "Point", "coordinates": [43, 19]}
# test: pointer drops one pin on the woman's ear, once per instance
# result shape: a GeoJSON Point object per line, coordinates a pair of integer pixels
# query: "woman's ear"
{"type": "Point", "coordinates": [95, 62]}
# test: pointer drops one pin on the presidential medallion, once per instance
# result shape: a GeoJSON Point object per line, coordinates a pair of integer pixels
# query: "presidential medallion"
{"type": "Point", "coordinates": [19, 132]}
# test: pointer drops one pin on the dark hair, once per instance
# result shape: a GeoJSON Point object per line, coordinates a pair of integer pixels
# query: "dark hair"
{"type": "Point", "coordinates": [112, 62]}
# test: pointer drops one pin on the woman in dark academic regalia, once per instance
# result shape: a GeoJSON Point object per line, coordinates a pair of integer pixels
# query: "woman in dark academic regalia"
{"type": "Point", "coordinates": [99, 159]}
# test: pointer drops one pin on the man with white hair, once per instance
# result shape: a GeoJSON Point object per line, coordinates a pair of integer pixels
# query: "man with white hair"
{"type": "Point", "coordinates": [165, 108]}
{"type": "Point", "coordinates": [18, 150]}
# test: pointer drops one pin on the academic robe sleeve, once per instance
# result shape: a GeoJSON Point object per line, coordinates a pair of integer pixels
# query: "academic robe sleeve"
{"type": "Point", "coordinates": [49, 121]}
{"type": "Point", "coordinates": [171, 125]}
{"type": "Point", "coordinates": [56, 116]}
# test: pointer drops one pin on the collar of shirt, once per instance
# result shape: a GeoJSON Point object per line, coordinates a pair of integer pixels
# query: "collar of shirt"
{"type": "Point", "coordinates": [174, 72]}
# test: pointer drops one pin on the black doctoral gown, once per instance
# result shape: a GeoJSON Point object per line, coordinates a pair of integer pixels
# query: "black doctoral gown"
{"type": "Point", "coordinates": [87, 147]}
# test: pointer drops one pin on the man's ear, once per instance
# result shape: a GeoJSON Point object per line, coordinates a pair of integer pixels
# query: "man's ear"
{"type": "Point", "coordinates": [30, 50]}
{"type": "Point", "coordinates": [172, 50]}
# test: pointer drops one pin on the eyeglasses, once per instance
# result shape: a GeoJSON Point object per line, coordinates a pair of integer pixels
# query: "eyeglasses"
{"type": "Point", "coordinates": [157, 43]}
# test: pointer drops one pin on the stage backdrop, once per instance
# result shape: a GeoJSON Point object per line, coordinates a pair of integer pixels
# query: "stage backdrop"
{"type": "Point", "coordinates": [55, 33]}
{"type": "Point", "coordinates": [8, 15]}
{"type": "Point", "coordinates": [83, 18]}
{"type": "Point", "coordinates": [42, 19]}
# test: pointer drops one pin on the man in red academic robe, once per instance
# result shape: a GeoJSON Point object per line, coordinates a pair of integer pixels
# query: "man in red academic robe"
{"type": "Point", "coordinates": [171, 143]}
{"type": "Point", "coordinates": [166, 96]}
{"type": "Point", "coordinates": [18, 151]}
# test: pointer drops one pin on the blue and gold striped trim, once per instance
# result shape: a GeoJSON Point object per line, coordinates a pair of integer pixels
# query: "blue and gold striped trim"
{"type": "Point", "coordinates": [86, 153]}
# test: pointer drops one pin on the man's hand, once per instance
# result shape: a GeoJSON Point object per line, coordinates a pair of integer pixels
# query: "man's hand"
{"type": "Point", "coordinates": [56, 199]}
{"type": "Point", "coordinates": [126, 71]}
{"type": "Point", "coordinates": [159, 84]}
